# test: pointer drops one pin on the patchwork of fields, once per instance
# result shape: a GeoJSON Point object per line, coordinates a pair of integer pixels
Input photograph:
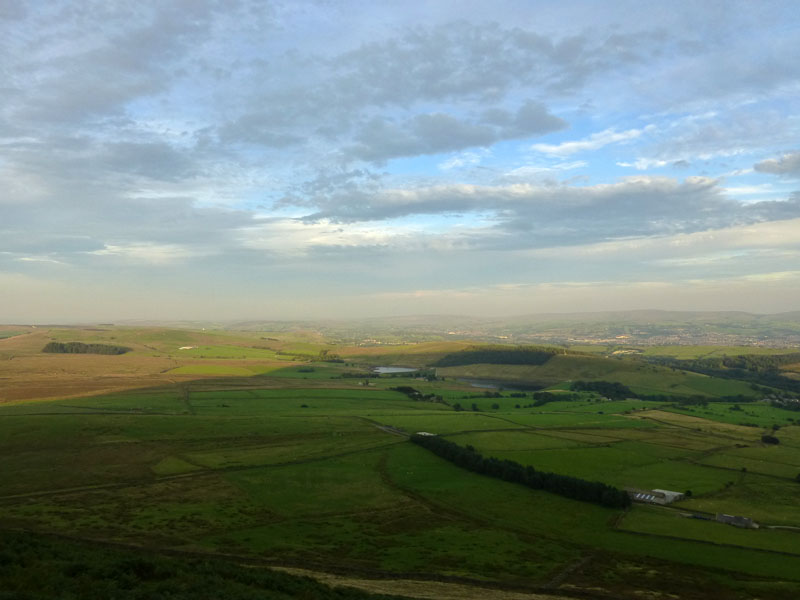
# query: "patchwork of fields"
{"type": "Point", "coordinates": [290, 464]}
{"type": "Point", "coordinates": [307, 477]}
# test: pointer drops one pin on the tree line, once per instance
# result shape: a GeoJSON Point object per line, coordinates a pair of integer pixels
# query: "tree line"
{"type": "Point", "coordinates": [618, 391]}
{"type": "Point", "coordinates": [418, 396]}
{"type": "Point", "coordinates": [468, 458]}
{"type": "Point", "coordinates": [610, 389]}
{"type": "Point", "coordinates": [81, 348]}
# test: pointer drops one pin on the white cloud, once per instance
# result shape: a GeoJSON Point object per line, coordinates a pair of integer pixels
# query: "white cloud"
{"type": "Point", "coordinates": [527, 171]}
{"type": "Point", "coordinates": [594, 142]}
{"type": "Point", "coordinates": [644, 164]}
{"type": "Point", "coordinates": [464, 159]}
{"type": "Point", "coordinates": [157, 141]}
{"type": "Point", "coordinates": [39, 259]}
{"type": "Point", "coordinates": [151, 253]}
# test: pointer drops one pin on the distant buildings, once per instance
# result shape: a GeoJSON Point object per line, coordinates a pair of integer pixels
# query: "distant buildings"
{"type": "Point", "coordinates": [654, 496]}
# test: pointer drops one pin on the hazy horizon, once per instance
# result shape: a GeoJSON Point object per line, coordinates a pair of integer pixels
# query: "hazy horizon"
{"type": "Point", "coordinates": [254, 160]}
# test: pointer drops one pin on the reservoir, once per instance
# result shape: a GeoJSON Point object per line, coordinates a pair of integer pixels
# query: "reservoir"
{"type": "Point", "coordinates": [388, 370]}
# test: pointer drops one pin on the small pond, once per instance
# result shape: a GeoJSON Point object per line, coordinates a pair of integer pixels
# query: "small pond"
{"type": "Point", "coordinates": [389, 370]}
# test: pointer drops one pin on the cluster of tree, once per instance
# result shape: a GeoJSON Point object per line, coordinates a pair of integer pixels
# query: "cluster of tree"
{"type": "Point", "coordinates": [786, 404]}
{"type": "Point", "coordinates": [770, 439]}
{"type": "Point", "coordinates": [542, 398]}
{"type": "Point", "coordinates": [618, 391]}
{"type": "Point", "coordinates": [429, 374]}
{"type": "Point", "coordinates": [498, 355]}
{"type": "Point", "coordinates": [468, 458]}
{"type": "Point", "coordinates": [81, 348]}
{"type": "Point", "coordinates": [486, 394]}
{"type": "Point", "coordinates": [415, 394]}
{"type": "Point", "coordinates": [610, 389]}
{"type": "Point", "coordinates": [755, 362]}
{"type": "Point", "coordinates": [35, 567]}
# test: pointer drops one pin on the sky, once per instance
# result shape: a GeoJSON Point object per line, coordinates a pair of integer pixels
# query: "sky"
{"type": "Point", "coordinates": [243, 159]}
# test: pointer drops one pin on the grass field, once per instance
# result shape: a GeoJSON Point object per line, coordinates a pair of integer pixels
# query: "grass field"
{"type": "Point", "coordinates": [305, 475]}
{"type": "Point", "coordinates": [641, 378]}
{"type": "Point", "coordinates": [759, 414]}
{"type": "Point", "coordinates": [657, 521]}
{"type": "Point", "coordinates": [691, 352]}
{"type": "Point", "coordinates": [287, 463]}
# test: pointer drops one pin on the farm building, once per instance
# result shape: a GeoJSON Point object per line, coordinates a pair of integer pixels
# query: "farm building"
{"type": "Point", "coordinates": [654, 496]}
{"type": "Point", "coordinates": [426, 434]}
{"type": "Point", "coordinates": [736, 521]}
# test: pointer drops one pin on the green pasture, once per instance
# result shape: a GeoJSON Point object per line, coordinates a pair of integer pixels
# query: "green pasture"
{"type": "Point", "coordinates": [229, 352]}
{"type": "Point", "coordinates": [736, 462]}
{"type": "Point", "coordinates": [673, 437]}
{"type": "Point", "coordinates": [305, 475]}
{"type": "Point", "coordinates": [548, 518]}
{"type": "Point", "coordinates": [784, 454]}
{"type": "Point", "coordinates": [701, 425]}
{"type": "Point", "coordinates": [658, 521]}
{"type": "Point", "coordinates": [308, 401]}
{"type": "Point", "coordinates": [757, 413]}
{"type": "Point", "coordinates": [218, 370]}
{"type": "Point", "coordinates": [352, 508]}
{"type": "Point", "coordinates": [623, 464]}
{"type": "Point", "coordinates": [768, 500]}
{"type": "Point", "coordinates": [606, 406]}
{"type": "Point", "coordinates": [640, 377]}
{"type": "Point", "coordinates": [310, 371]}
{"type": "Point", "coordinates": [693, 352]}
{"type": "Point", "coordinates": [303, 371]}
{"type": "Point", "coordinates": [284, 449]}
{"type": "Point", "coordinates": [444, 422]}
{"type": "Point", "coordinates": [575, 420]}
{"type": "Point", "coordinates": [505, 444]}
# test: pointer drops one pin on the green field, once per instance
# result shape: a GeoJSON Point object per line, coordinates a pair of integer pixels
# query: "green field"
{"type": "Point", "coordinates": [758, 414]}
{"type": "Point", "coordinates": [692, 352]}
{"type": "Point", "coordinates": [292, 465]}
{"type": "Point", "coordinates": [640, 377]}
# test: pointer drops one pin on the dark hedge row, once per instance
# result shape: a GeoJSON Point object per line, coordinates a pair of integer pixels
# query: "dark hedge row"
{"type": "Point", "coordinates": [508, 470]}
{"type": "Point", "coordinates": [81, 348]}
{"type": "Point", "coordinates": [609, 389]}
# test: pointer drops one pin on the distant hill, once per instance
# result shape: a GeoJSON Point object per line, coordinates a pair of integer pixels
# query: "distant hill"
{"type": "Point", "coordinates": [634, 327]}
{"type": "Point", "coordinates": [638, 327]}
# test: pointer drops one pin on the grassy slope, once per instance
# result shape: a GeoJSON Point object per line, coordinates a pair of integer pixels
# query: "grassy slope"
{"type": "Point", "coordinates": [641, 378]}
